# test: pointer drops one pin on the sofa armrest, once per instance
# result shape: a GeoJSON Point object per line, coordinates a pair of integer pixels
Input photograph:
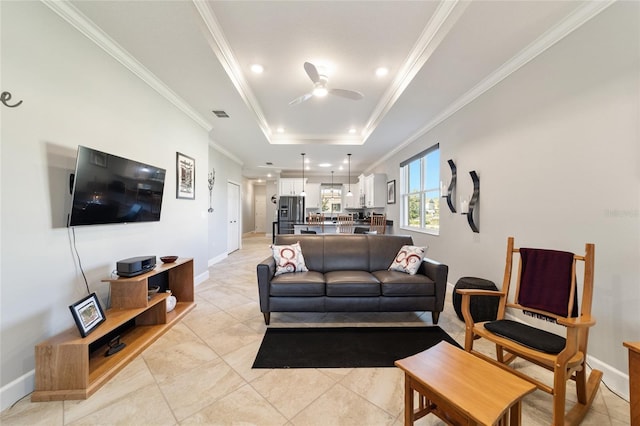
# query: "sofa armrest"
{"type": "Point", "coordinates": [439, 273]}
{"type": "Point", "coordinates": [265, 271]}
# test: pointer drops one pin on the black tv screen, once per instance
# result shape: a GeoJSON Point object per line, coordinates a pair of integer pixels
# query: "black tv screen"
{"type": "Point", "coordinates": [111, 189]}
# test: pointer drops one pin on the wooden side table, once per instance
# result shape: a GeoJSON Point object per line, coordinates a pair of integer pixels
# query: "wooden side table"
{"type": "Point", "coordinates": [634, 381]}
{"type": "Point", "coordinates": [461, 388]}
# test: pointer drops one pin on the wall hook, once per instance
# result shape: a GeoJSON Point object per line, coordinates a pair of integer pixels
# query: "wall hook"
{"type": "Point", "coordinates": [5, 97]}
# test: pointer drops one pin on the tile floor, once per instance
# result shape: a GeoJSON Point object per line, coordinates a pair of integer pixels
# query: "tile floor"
{"type": "Point", "coordinates": [200, 371]}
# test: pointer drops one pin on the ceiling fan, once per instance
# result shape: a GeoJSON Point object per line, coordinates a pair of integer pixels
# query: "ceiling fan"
{"type": "Point", "coordinates": [320, 87]}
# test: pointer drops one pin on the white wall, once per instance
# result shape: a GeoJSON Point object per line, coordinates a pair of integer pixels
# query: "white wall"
{"type": "Point", "coordinates": [74, 93]}
{"type": "Point", "coordinates": [227, 170]}
{"type": "Point", "coordinates": [556, 147]}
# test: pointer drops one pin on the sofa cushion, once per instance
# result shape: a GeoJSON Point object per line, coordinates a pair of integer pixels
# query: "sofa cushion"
{"type": "Point", "coordinates": [288, 259]}
{"type": "Point", "coordinates": [383, 249]}
{"type": "Point", "coordinates": [394, 283]}
{"type": "Point", "coordinates": [346, 253]}
{"type": "Point", "coordinates": [351, 283]}
{"type": "Point", "coordinates": [408, 259]}
{"type": "Point", "coordinates": [298, 284]}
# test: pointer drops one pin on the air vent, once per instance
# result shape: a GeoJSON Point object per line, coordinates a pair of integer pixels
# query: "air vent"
{"type": "Point", "coordinates": [220, 114]}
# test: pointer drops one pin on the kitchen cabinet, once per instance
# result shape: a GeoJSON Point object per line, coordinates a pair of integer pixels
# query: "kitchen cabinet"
{"type": "Point", "coordinates": [312, 200]}
{"type": "Point", "coordinates": [352, 202]}
{"type": "Point", "coordinates": [291, 186]}
{"type": "Point", "coordinates": [375, 190]}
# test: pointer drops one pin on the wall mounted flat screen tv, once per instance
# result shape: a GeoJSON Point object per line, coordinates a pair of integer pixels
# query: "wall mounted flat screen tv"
{"type": "Point", "coordinates": [111, 189]}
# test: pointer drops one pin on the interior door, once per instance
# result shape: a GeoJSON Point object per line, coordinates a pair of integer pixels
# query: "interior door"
{"type": "Point", "coordinates": [233, 217]}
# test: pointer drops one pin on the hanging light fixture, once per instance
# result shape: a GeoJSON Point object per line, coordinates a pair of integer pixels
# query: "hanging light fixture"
{"type": "Point", "coordinates": [349, 194]}
{"type": "Point", "coordinates": [302, 194]}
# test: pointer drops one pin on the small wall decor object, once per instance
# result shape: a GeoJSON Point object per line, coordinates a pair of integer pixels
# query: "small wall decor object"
{"type": "Point", "coordinates": [5, 97]}
{"type": "Point", "coordinates": [87, 314]}
{"type": "Point", "coordinates": [391, 192]}
{"type": "Point", "coordinates": [472, 209]}
{"type": "Point", "coordinates": [450, 193]}
{"type": "Point", "coordinates": [185, 177]}
{"type": "Point", "coordinates": [212, 180]}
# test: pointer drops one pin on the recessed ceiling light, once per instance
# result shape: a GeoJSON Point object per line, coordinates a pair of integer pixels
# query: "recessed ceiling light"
{"type": "Point", "coordinates": [280, 130]}
{"type": "Point", "coordinates": [257, 68]}
{"type": "Point", "coordinates": [324, 165]}
{"type": "Point", "coordinates": [352, 130]}
{"type": "Point", "coordinates": [268, 174]}
{"type": "Point", "coordinates": [382, 71]}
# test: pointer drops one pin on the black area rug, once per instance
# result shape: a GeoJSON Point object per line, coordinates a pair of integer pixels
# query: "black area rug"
{"type": "Point", "coordinates": [344, 347]}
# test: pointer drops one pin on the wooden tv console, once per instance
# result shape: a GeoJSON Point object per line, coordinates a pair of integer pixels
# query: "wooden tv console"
{"type": "Point", "coordinates": [71, 367]}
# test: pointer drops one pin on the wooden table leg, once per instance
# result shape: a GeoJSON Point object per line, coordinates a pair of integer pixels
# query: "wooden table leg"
{"type": "Point", "coordinates": [516, 414]}
{"type": "Point", "coordinates": [408, 401]}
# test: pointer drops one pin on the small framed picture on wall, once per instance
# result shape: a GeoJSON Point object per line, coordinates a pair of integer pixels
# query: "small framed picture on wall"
{"type": "Point", "coordinates": [391, 192]}
{"type": "Point", "coordinates": [185, 177]}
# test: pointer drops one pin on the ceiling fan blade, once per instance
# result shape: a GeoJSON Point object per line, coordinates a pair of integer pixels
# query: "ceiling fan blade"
{"type": "Point", "coordinates": [301, 99]}
{"type": "Point", "coordinates": [349, 94]}
{"type": "Point", "coordinates": [312, 72]}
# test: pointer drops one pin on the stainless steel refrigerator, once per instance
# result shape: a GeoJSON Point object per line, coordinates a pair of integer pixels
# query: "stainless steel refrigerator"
{"type": "Point", "coordinates": [290, 211]}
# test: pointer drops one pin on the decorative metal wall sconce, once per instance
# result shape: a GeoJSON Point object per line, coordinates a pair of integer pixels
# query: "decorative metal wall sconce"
{"type": "Point", "coordinates": [5, 97]}
{"type": "Point", "coordinates": [450, 193]}
{"type": "Point", "coordinates": [470, 207]}
{"type": "Point", "coordinates": [212, 180]}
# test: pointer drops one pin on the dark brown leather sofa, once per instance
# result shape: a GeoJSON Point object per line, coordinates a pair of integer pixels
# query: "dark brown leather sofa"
{"type": "Point", "coordinates": [349, 273]}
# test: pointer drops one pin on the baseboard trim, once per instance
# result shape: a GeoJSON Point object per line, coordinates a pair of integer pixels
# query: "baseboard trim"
{"type": "Point", "coordinates": [17, 389]}
{"type": "Point", "coordinates": [218, 258]}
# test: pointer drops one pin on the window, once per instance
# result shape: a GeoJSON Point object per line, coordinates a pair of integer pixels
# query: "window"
{"type": "Point", "coordinates": [331, 199]}
{"type": "Point", "coordinates": [420, 191]}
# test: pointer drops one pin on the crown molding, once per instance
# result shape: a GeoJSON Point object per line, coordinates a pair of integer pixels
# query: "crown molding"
{"type": "Point", "coordinates": [572, 22]}
{"type": "Point", "coordinates": [84, 25]}
{"type": "Point", "coordinates": [222, 50]}
{"type": "Point", "coordinates": [444, 18]}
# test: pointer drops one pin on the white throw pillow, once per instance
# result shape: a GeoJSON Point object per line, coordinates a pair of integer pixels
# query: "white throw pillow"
{"type": "Point", "coordinates": [288, 259]}
{"type": "Point", "coordinates": [408, 259]}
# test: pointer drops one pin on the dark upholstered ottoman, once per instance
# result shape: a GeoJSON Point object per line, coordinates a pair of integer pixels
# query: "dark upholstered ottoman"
{"type": "Point", "coordinates": [483, 308]}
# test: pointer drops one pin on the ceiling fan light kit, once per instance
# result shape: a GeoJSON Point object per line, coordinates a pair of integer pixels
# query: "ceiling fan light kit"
{"type": "Point", "coordinates": [320, 88]}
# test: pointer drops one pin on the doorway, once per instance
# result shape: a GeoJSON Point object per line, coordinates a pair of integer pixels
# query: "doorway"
{"type": "Point", "coordinates": [233, 217]}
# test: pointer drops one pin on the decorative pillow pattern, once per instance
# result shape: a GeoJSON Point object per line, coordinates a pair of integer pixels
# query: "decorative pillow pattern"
{"type": "Point", "coordinates": [288, 259]}
{"type": "Point", "coordinates": [408, 259]}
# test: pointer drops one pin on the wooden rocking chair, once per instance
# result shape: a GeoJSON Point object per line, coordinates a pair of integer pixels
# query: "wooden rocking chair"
{"type": "Point", "coordinates": [546, 289]}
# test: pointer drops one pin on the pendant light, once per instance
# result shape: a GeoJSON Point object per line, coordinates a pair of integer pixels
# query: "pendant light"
{"type": "Point", "coordinates": [349, 194]}
{"type": "Point", "coordinates": [302, 194]}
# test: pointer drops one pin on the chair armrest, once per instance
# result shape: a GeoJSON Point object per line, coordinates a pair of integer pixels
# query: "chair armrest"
{"type": "Point", "coordinates": [581, 321]}
{"type": "Point", "coordinates": [438, 272]}
{"type": "Point", "coordinates": [478, 292]}
{"type": "Point", "coordinates": [265, 272]}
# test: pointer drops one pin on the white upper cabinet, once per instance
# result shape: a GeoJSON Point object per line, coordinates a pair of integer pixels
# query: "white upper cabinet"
{"type": "Point", "coordinates": [312, 200]}
{"type": "Point", "coordinates": [291, 186]}
{"type": "Point", "coordinates": [352, 202]}
{"type": "Point", "coordinates": [375, 190]}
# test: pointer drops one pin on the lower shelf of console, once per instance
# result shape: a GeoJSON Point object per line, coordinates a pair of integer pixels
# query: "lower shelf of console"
{"type": "Point", "coordinates": [71, 367]}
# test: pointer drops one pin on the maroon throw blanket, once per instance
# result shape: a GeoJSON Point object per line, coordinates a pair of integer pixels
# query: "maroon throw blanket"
{"type": "Point", "coordinates": [545, 282]}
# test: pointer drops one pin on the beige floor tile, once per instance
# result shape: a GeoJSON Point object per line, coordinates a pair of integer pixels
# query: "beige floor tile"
{"type": "Point", "coordinates": [244, 406]}
{"type": "Point", "coordinates": [130, 380]}
{"type": "Point", "coordinates": [342, 407]}
{"type": "Point", "coordinates": [241, 360]}
{"type": "Point", "coordinates": [146, 406]}
{"type": "Point", "coordinates": [27, 413]}
{"type": "Point", "coordinates": [179, 359]}
{"type": "Point", "coordinates": [383, 387]}
{"type": "Point", "coordinates": [193, 390]}
{"type": "Point", "coordinates": [231, 338]}
{"type": "Point", "coordinates": [291, 390]}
